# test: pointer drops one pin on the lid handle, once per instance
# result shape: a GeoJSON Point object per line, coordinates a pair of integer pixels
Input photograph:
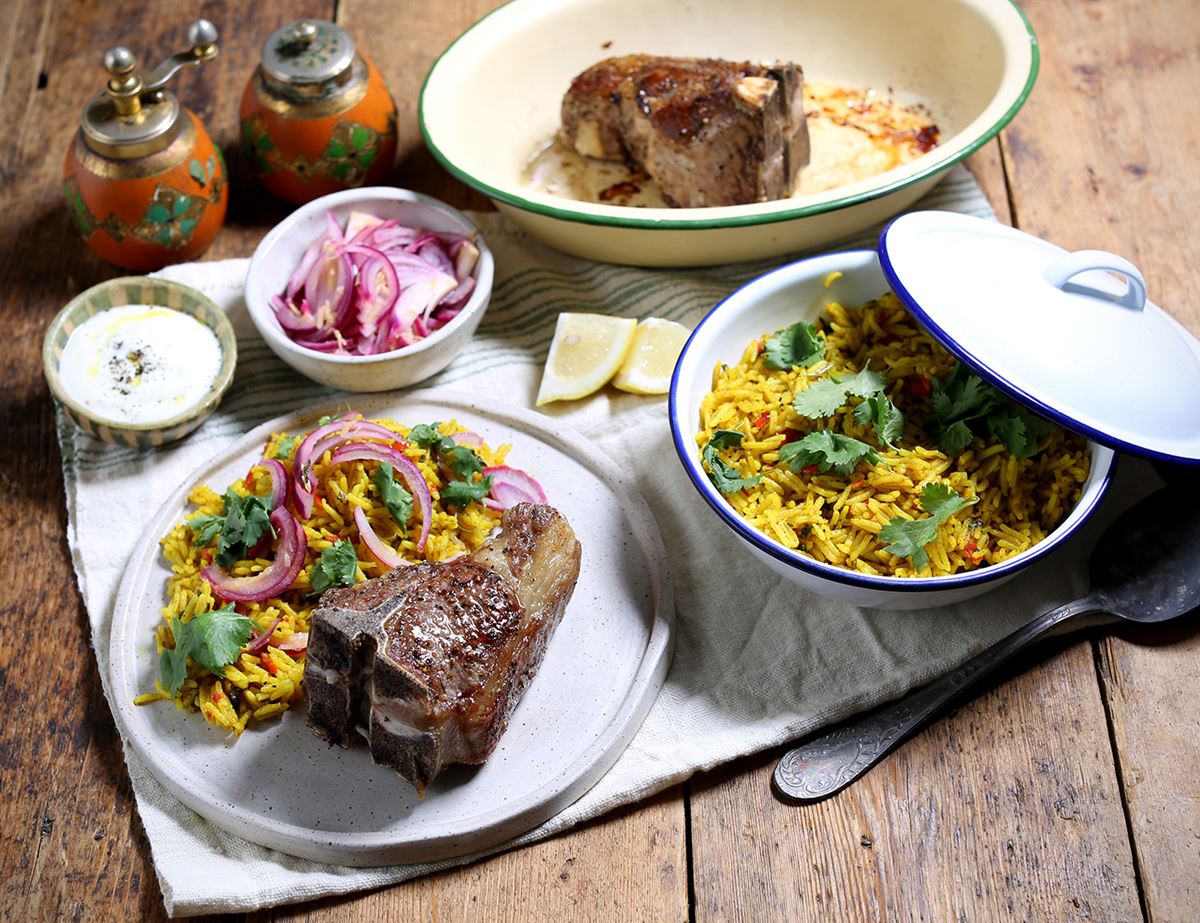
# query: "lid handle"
{"type": "Point", "coordinates": [1065, 268]}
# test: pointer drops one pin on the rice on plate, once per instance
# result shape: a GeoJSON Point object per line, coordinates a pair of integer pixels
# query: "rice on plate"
{"type": "Point", "coordinates": [862, 443]}
{"type": "Point", "coordinates": [348, 501]}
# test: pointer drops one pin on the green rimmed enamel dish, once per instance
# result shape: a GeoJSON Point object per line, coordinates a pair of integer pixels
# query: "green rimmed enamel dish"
{"type": "Point", "coordinates": [493, 99]}
{"type": "Point", "coordinates": [138, 290]}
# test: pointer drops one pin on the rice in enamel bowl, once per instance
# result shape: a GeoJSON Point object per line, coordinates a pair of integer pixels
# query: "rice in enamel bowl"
{"type": "Point", "coordinates": [862, 443]}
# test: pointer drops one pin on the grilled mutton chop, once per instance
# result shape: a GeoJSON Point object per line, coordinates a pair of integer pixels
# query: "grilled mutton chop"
{"type": "Point", "coordinates": [429, 661]}
{"type": "Point", "coordinates": [709, 132]}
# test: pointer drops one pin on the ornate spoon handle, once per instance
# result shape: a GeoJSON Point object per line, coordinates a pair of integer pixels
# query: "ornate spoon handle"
{"type": "Point", "coordinates": [826, 764]}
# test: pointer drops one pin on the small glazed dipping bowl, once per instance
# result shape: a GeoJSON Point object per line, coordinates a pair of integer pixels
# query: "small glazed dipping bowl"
{"type": "Point", "coordinates": [282, 249]}
{"type": "Point", "coordinates": [771, 302]}
{"type": "Point", "coordinates": [138, 290]}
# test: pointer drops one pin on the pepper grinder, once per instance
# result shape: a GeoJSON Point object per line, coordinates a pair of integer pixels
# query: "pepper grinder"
{"type": "Point", "coordinates": [144, 183]}
{"type": "Point", "coordinates": [316, 116]}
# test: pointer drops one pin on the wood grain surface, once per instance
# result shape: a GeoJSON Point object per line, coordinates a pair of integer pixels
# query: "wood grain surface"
{"type": "Point", "coordinates": [1065, 792]}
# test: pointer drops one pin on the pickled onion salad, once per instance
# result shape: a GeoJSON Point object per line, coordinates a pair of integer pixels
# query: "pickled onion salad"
{"type": "Point", "coordinates": [375, 286]}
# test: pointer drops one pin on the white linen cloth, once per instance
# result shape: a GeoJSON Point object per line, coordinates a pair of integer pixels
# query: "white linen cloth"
{"type": "Point", "coordinates": [757, 661]}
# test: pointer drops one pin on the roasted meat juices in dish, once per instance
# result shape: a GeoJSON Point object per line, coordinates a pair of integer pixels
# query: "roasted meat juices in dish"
{"type": "Point", "coordinates": [428, 661]}
{"type": "Point", "coordinates": [710, 132]}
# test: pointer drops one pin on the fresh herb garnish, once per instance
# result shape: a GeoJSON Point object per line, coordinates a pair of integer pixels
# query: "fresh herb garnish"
{"type": "Point", "coordinates": [963, 405]}
{"type": "Point", "coordinates": [428, 437]}
{"type": "Point", "coordinates": [285, 447]}
{"type": "Point", "coordinates": [337, 566]}
{"type": "Point", "coordinates": [799, 344]}
{"type": "Point", "coordinates": [395, 497]}
{"type": "Point", "coordinates": [325, 419]}
{"type": "Point", "coordinates": [462, 460]}
{"type": "Point", "coordinates": [211, 639]}
{"type": "Point", "coordinates": [825, 397]}
{"type": "Point", "coordinates": [1018, 430]}
{"type": "Point", "coordinates": [908, 537]}
{"type": "Point", "coordinates": [725, 477]}
{"type": "Point", "coordinates": [886, 416]}
{"type": "Point", "coordinates": [242, 522]}
{"type": "Point", "coordinates": [460, 493]}
{"type": "Point", "coordinates": [827, 449]}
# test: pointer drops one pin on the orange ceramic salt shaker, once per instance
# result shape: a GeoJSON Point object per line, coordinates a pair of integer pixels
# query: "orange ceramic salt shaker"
{"type": "Point", "coordinates": [316, 116]}
{"type": "Point", "coordinates": [144, 183]}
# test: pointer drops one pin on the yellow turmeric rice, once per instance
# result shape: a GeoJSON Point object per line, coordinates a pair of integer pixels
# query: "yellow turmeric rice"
{"type": "Point", "coordinates": [260, 686]}
{"type": "Point", "coordinates": [1013, 502]}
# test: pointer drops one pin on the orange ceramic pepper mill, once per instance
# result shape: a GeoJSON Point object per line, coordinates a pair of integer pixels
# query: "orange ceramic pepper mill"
{"type": "Point", "coordinates": [144, 183]}
{"type": "Point", "coordinates": [316, 116]}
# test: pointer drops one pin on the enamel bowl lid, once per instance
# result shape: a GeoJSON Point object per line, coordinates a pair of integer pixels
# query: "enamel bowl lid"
{"type": "Point", "coordinates": [1057, 331]}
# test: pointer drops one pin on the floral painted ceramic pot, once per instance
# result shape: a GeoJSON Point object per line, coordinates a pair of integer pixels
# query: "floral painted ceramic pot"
{"type": "Point", "coordinates": [316, 116]}
{"type": "Point", "coordinates": [144, 184]}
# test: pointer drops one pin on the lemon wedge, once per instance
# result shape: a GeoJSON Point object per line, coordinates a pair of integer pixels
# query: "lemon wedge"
{"type": "Point", "coordinates": [651, 360]}
{"type": "Point", "coordinates": [587, 350]}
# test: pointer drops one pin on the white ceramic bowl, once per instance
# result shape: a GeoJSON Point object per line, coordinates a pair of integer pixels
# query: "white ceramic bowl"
{"type": "Point", "coordinates": [281, 250]}
{"type": "Point", "coordinates": [783, 297]}
{"type": "Point", "coordinates": [494, 96]}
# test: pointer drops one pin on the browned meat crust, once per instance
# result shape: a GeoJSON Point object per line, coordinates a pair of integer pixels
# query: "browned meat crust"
{"type": "Point", "coordinates": [710, 132]}
{"type": "Point", "coordinates": [429, 661]}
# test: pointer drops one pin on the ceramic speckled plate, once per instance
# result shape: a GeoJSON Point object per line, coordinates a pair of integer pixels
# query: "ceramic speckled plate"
{"type": "Point", "coordinates": [281, 786]}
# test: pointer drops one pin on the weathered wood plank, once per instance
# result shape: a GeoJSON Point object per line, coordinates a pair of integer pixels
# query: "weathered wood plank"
{"type": "Point", "coordinates": [1007, 809]}
{"type": "Point", "coordinates": [1105, 156]}
{"type": "Point", "coordinates": [631, 865]}
{"type": "Point", "coordinates": [71, 844]}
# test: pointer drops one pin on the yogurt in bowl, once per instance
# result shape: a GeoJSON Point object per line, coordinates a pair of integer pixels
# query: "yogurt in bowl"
{"type": "Point", "coordinates": [139, 361]}
{"type": "Point", "coordinates": [140, 364]}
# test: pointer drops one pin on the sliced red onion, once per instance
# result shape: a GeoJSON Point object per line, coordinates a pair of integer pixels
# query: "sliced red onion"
{"type": "Point", "coordinates": [279, 481]}
{"type": "Point", "coordinates": [306, 264]}
{"type": "Point", "coordinates": [278, 577]}
{"type": "Point", "coordinates": [259, 642]}
{"type": "Point", "coordinates": [511, 486]}
{"type": "Point", "coordinates": [469, 439]}
{"type": "Point", "coordinates": [321, 440]}
{"type": "Point", "coordinates": [381, 552]}
{"type": "Point", "coordinates": [295, 643]}
{"type": "Point", "coordinates": [403, 465]}
{"type": "Point", "coordinates": [375, 287]}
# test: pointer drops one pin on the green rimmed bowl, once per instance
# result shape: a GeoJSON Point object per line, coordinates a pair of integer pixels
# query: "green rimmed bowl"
{"type": "Point", "coordinates": [138, 290]}
{"type": "Point", "coordinates": [492, 100]}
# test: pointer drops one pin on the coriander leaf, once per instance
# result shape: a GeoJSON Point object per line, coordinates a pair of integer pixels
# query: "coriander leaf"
{"type": "Point", "coordinates": [955, 437]}
{"type": "Point", "coordinates": [325, 419]}
{"type": "Point", "coordinates": [398, 500]}
{"type": "Point", "coordinates": [879, 410]}
{"type": "Point", "coordinates": [962, 395]}
{"type": "Point", "coordinates": [337, 566]}
{"type": "Point", "coordinates": [460, 493]}
{"type": "Point", "coordinates": [825, 397]}
{"type": "Point", "coordinates": [246, 521]}
{"type": "Point", "coordinates": [726, 478]}
{"type": "Point", "coordinates": [908, 537]}
{"type": "Point", "coordinates": [827, 449]}
{"type": "Point", "coordinates": [799, 344]}
{"type": "Point", "coordinates": [212, 639]}
{"type": "Point", "coordinates": [206, 528]}
{"type": "Point", "coordinates": [172, 663]}
{"type": "Point", "coordinates": [1018, 431]}
{"type": "Point", "coordinates": [725, 438]}
{"type": "Point", "coordinates": [462, 460]}
{"type": "Point", "coordinates": [242, 522]}
{"type": "Point", "coordinates": [427, 436]}
{"type": "Point", "coordinates": [285, 447]}
{"type": "Point", "coordinates": [217, 637]}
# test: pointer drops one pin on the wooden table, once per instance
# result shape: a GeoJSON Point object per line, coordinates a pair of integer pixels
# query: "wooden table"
{"type": "Point", "coordinates": [1069, 791]}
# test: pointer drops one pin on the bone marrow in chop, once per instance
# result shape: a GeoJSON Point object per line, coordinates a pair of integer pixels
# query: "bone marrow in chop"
{"type": "Point", "coordinates": [710, 132]}
{"type": "Point", "coordinates": [428, 661]}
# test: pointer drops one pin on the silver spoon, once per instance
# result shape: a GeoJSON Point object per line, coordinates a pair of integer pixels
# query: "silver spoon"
{"type": "Point", "coordinates": [1145, 568]}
